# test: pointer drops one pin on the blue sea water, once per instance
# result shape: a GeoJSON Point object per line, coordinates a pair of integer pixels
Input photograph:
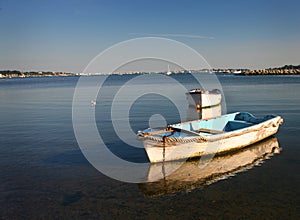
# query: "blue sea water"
{"type": "Point", "coordinates": [44, 174]}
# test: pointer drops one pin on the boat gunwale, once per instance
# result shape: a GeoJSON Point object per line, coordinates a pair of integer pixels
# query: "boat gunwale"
{"type": "Point", "coordinates": [276, 121]}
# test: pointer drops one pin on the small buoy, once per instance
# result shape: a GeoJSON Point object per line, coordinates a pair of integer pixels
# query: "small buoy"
{"type": "Point", "coordinates": [93, 103]}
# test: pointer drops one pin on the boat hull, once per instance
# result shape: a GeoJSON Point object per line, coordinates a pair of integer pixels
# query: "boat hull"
{"type": "Point", "coordinates": [203, 113]}
{"type": "Point", "coordinates": [171, 177]}
{"type": "Point", "coordinates": [209, 100]}
{"type": "Point", "coordinates": [169, 151]}
{"type": "Point", "coordinates": [204, 99]}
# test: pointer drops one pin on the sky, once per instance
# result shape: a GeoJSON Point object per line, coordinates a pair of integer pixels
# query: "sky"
{"type": "Point", "coordinates": [67, 35]}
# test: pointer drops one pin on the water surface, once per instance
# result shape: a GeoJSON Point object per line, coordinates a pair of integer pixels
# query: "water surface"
{"type": "Point", "coordinates": [44, 174]}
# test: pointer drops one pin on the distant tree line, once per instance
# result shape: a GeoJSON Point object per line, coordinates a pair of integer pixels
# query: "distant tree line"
{"type": "Point", "coordinates": [284, 70]}
{"type": "Point", "coordinates": [288, 67]}
{"type": "Point", "coordinates": [17, 73]}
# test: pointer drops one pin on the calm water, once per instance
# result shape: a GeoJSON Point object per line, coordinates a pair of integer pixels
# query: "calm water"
{"type": "Point", "coordinates": [44, 174]}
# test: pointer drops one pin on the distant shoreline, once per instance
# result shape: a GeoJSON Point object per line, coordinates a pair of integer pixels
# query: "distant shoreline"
{"type": "Point", "coordinates": [7, 74]}
{"type": "Point", "coordinates": [285, 70]}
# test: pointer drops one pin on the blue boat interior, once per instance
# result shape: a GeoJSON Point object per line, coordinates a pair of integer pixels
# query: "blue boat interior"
{"type": "Point", "coordinates": [226, 123]}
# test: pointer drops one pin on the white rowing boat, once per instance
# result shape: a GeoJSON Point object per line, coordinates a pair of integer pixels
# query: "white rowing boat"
{"type": "Point", "coordinates": [204, 137]}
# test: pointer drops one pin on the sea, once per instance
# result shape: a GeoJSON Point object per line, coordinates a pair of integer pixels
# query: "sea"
{"type": "Point", "coordinates": [46, 172]}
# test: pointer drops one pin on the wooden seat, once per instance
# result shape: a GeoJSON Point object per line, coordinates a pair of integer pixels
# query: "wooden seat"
{"type": "Point", "coordinates": [211, 131]}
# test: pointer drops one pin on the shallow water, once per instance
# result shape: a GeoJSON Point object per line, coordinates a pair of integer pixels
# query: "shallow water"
{"type": "Point", "coordinates": [44, 174]}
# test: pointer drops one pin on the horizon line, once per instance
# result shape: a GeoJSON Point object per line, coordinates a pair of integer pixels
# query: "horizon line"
{"type": "Point", "coordinates": [174, 35]}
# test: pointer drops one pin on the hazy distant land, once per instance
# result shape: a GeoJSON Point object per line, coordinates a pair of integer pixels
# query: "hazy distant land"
{"type": "Point", "coordinates": [284, 70]}
{"type": "Point", "coordinates": [21, 74]}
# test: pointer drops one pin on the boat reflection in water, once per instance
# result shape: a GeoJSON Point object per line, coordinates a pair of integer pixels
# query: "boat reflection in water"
{"type": "Point", "coordinates": [194, 113]}
{"type": "Point", "coordinates": [171, 177]}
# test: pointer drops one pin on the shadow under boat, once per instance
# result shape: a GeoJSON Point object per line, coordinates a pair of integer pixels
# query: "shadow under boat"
{"type": "Point", "coordinates": [171, 177]}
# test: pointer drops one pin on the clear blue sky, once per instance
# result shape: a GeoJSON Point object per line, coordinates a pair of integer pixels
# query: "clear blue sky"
{"type": "Point", "coordinates": [66, 35]}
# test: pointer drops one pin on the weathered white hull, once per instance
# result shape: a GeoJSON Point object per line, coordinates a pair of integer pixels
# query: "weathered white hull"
{"type": "Point", "coordinates": [208, 100]}
{"type": "Point", "coordinates": [204, 100]}
{"type": "Point", "coordinates": [203, 113]}
{"type": "Point", "coordinates": [159, 151]}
